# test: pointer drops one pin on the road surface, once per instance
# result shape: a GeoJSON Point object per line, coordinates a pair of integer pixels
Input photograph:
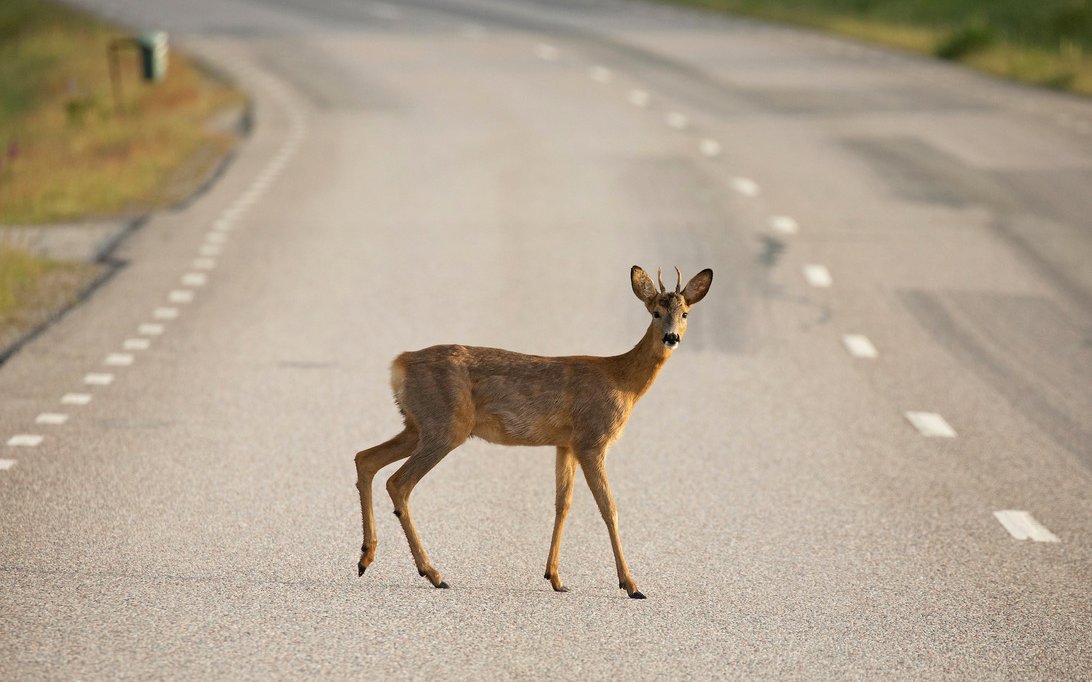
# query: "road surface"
{"type": "Point", "coordinates": [795, 503]}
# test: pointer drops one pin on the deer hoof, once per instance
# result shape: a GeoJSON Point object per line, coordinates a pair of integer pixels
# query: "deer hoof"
{"type": "Point", "coordinates": [442, 586]}
{"type": "Point", "coordinates": [637, 595]}
{"type": "Point", "coordinates": [561, 589]}
{"type": "Point", "coordinates": [360, 569]}
{"type": "Point", "coordinates": [547, 576]}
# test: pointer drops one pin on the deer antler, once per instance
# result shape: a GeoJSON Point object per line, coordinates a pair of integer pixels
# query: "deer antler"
{"type": "Point", "coordinates": [678, 285]}
{"type": "Point", "coordinates": [660, 276]}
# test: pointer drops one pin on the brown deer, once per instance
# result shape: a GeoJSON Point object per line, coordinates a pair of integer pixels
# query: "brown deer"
{"type": "Point", "coordinates": [578, 404]}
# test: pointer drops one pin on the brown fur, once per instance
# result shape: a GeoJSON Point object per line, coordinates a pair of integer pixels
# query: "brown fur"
{"type": "Point", "coordinates": [579, 404]}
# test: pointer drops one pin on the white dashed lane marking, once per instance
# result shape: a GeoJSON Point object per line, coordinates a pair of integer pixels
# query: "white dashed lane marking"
{"type": "Point", "coordinates": [210, 249]}
{"type": "Point", "coordinates": [98, 379]}
{"type": "Point", "coordinates": [745, 186]}
{"type": "Point", "coordinates": [931, 424]}
{"type": "Point", "coordinates": [215, 237]}
{"type": "Point", "coordinates": [165, 313]}
{"type": "Point", "coordinates": [204, 263]}
{"type": "Point", "coordinates": [600, 74]}
{"type": "Point", "coordinates": [385, 11]}
{"type": "Point", "coordinates": [784, 224]}
{"type": "Point", "coordinates": [546, 52]}
{"type": "Point", "coordinates": [677, 120]}
{"type": "Point", "coordinates": [6, 464]}
{"type": "Point", "coordinates": [709, 147]}
{"type": "Point", "coordinates": [194, 279]}
{"type": "Point", "coordinates": [472, 31]}
{"type": "Point", "coordinates": [119, 359]}
{"type": "Point", "coordinates": [818, 276]}
{"type": "Point", "coordinates": [75, 398]}
{"type": "Point", "coordinates": [180, 296]}
{"type": "Point", "coordinates": [1023, 526]}
{"type": "Point", "coordinates": [54, 418]}
{"type": "Point", "coordinates": [25, 440]}
{"type": "Point", "coordinates": [639, 98]}
{"type": "Point", "coordinates": [136, 344]}
{"type": "Point", "coordinates": [150, 329]}
{"type": "Point", "coordinates": [859, 346]}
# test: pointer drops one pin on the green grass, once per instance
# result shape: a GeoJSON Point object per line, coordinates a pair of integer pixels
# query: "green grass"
{"type": "Point", "coordinates": [1046, 42]}
{"type": "Point", "coordinates": [65, 152]}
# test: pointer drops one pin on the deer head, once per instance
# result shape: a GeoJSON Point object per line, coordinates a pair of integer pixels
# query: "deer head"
{"type": "Point", "coordinates": [669, 309]}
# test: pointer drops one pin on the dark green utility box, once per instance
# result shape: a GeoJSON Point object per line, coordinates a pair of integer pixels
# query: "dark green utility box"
{"type": "Point", "coordinates": [153, 55]}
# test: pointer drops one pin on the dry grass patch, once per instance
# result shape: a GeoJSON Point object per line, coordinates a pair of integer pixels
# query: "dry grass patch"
{"type": "Point", "coordinates": [65, 151]}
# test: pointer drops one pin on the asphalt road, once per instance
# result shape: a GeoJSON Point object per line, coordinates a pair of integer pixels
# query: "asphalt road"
{"type": "Point", "coordinates": [486, 172]}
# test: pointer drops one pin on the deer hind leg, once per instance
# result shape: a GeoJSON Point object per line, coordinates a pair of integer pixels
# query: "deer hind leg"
{"type": "Point", "coordinates": [595, 473]}
{"type": "Point", "coordinates": [566, 472]}
{"type": "Point", "coordinates": [368, 462]}
{"type": "Point", "coordinates": [428, 454]}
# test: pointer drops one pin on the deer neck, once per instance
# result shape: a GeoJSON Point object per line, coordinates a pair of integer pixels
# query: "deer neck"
{"type": "Point", "coordinates": [637, 369]}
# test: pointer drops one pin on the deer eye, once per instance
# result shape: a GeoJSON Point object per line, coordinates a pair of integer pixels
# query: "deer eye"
{"type": "Point", "coordinates": [684, 315]}
{"type": "Point", "coordinates": [656, 314]}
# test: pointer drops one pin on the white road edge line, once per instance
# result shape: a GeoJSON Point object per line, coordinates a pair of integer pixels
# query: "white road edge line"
{"type": "Point", "coordinates": [931, 424]}
{"type": "Point", "coordinates": [859, 346]}
{"type": "Point", "coordinates": [55, 418]}
{"type": "Point", "coordinates": [75, 398]}
{"type": "Point", "coordinates": [25, 440]}
{"type": "Point", "coordinates": [818, 276]}
{"type": "Point", "coordinates": [1023, 526]}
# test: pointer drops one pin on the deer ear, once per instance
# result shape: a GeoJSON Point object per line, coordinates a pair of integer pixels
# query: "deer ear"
{"type": "Point", "coordinates": [642, 284]}
{"type": "Point", "coordinates": [698, 286]}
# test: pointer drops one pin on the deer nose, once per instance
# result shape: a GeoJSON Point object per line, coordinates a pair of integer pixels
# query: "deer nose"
{"type": "Point", "coordinates": [671, 340]}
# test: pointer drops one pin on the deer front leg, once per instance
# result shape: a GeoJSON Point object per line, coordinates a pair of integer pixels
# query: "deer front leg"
{"type": "Point", "coordinates": [566, 472]}
{"type": "Point", "coordinates": [595, 473]}
{"type": "Point", "coordinates": [368, 462]}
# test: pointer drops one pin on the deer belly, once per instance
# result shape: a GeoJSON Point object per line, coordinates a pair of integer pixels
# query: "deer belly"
{"type": "Point", "coordinates": [515, 429]}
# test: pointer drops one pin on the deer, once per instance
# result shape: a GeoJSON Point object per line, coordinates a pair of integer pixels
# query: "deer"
{"type": "Point", "coordinates": [578, 404]}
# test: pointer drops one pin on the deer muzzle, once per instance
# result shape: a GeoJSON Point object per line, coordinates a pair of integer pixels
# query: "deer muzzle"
{"type": "Point", "coordinates": [671, 340]}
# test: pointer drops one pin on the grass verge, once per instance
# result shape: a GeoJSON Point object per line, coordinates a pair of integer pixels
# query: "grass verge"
{"type": "Point", "coordinates": [1045, 42]}
{"type": "Point", "coordinates": [33, 289]}
{"type": "Point", "coordinates": [68, 152]}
